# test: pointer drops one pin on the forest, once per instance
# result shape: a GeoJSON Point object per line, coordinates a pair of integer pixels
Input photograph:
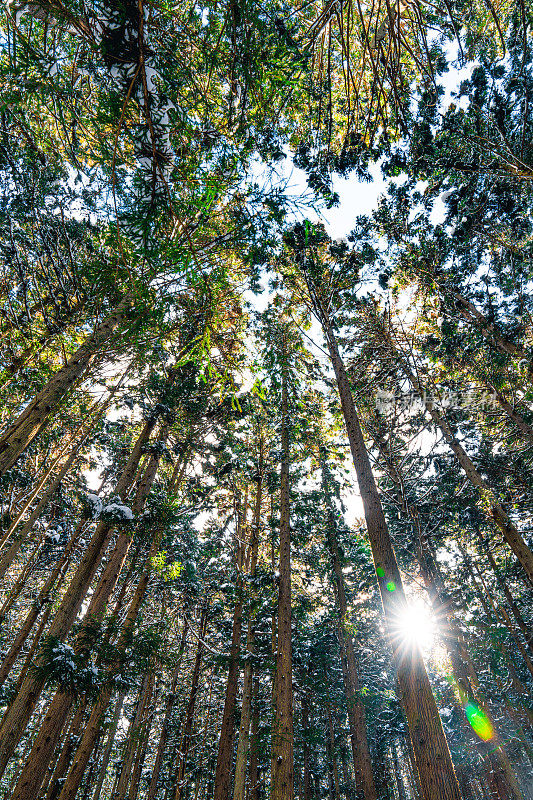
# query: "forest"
{"type": "Point", "coordinates": [266, 493]}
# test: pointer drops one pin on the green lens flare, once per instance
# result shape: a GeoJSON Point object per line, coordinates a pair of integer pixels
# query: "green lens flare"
{"type": "Point", "coordinates": [380, 571]}
{"type": "Point", "coordinates": [479, 721]}
{"type": "Point", "coordinates": [391, 586]}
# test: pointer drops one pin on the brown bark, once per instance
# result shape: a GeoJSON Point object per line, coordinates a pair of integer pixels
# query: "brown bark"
{"type": "Point", "coordinates": [497, 511]}
{"type": "Point", "coordinates": [20, 582]}
{"type": "Point", "coordinates": [330, 739]}
{"type": "Point", "coordinates": [524, 427]}
{"type": "Point", "coordinates": [24, 429]}
{"type": "Point", "coordinates": [437, 776]}
{"type": "Point", "coordinates": [92, 729]}
{"type": "Point", "coordinates": [66, 753]}
{"type": "Point", "coordinates": [463, 669]}
{"type": "Point", "coordinates": [227, 728]}
{"type": "Point", "coordinates": [306, 733]}
{"type": "Point", "coordinates": [189, 714]}
{"type": "Point", "coordinates": [40, 601]}
{"type": "Point", "coordinates": [18, 713]}
{"type": "Point", "coordinates": [109, 746]}
{"type": "Point", "coordinates": [204, 740]}
{"type": "Point", "coordinates": [364, 779]}
{"type": "Point", "coordinates": [50, 490]}
{"type": "Point", "coordinates": [134, 730]}
{"type": "Point", "coordinates": [166, 719]}
{"type": "Point", "coordinates": [254, 793]}
{"type": "Point", "coordinates": [282, 762]}
{"type": "Point", "coordinates": [246, 708]}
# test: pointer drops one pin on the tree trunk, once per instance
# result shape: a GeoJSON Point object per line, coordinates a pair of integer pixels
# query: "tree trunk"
{"type": "Point", "coordinates": [402, 795]}
{"type": "Point", "coordinates": [487, 329]}
{"type": "Point", "coordinates": [204, 741]}
{"type": "Point", "coordinates": [463, 669]}
{"type": "Point", "coordinates": [152, 790]}
{"type": "Point", "coordinates": [189, 715]}
{"type": "Point", "coordinates": [132, 741]}
{"type": "Point", "coordinates": [246, 709]}
{"type": "Point", "coordinates": [334, 767]}
{"type": "Point", "coordinates": [22, 432]}
{"type": "Point", "coordinates": [498, 513]}
{"type": "Point", "coordinates": [17, 715]}
{"type": "Point", "coordinates": [227, 728]}
{"type": "Point", "coordinates": [282, 763]}
{"type": "Point", "coordinates": [306, 733]}
{"type": "Point", "coordinates": [527, 633]}
{"type": "Point", "coordinates": [66, 753]}
{"type": "Point", "coordinates": [437, 776]}
{"type": "Point", "coordinates": [40, 601]}
{"type": "Point", "coordinates": [21, 535]}
{"type": "Point", "coordinates": [92, 729]}
{"type": "Point", "coordinates": [364, 780]}
{"type": "Point", "coordinates": [254, 793]}
{"type": "Point", "coordinates": [109, 746]}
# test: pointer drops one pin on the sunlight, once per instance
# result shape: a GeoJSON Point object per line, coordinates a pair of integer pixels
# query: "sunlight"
{"type": "Point", "coordinates": [416, 626]}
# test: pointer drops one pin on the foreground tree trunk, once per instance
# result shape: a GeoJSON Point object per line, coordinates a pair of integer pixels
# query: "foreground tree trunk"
{"type": "Point", "coordinates": [463, 670]}
{"type": "Point", "coordinates": [282, 764]}
{"type": "Point", "coordinates": [18, 713]}
{"type": "Point", "coordinates": [437, 776]}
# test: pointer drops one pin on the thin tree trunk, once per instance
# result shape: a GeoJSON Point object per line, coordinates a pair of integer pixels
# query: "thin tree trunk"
{"type": "Point", "coordinates": [132, 742]}
{"type": "Point", "coordinates": [189, 715]}
{"type": "Point", "coordinates": [488, 330]}
{"type": "Point", "coordinates": [525, 629]}
{"type": "Point", "coordinates": [254, 744]}
{"type": "Point", "coordinates": [397, 771]}
{"type": "Point", "coordinates": [364, 780]}
{"type": "Point", "coordinates": [40, 601]}
{"type": "Point", "coordinates": [463, 669]}
{"type": "Point", "coordinates": [93, 726]}
{"type": "Point", "coordinates": [246, 709]}
{"type": "Point", "coordinates": [66, 752]}
{"type": "Point", "coordinates": [524, 427]}
{"type": "Point", "coordinates": [227, 728]}
{"type": "Point", "coordinates": [22, 432]}
{"type": "Point", "coordinates": [109, 746]}
{"type": "Point", "coordinates": [282, 763]}
{"type": "Point", "coordinates": [306, 733]}
{"type": "Point", "coordinates": [498, 513]}
{"type": "Point", "coordinates": [166, 719]}
{"type": "Point", "coordinates": [204, 741]}
{"type": "Point", "coordinates": [21, 536]}
{"type": "Point", "coordinates": [334, 767]}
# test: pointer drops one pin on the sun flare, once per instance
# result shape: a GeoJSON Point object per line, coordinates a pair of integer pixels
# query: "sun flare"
{"type": "Point", "coordinates": [416, 626]}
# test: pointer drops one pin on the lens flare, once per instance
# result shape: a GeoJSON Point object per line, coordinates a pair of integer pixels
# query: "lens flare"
{"type": "Point", "coordinates": [415, 626]}
{"type": "Point", "coordinates": [479, 722]}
